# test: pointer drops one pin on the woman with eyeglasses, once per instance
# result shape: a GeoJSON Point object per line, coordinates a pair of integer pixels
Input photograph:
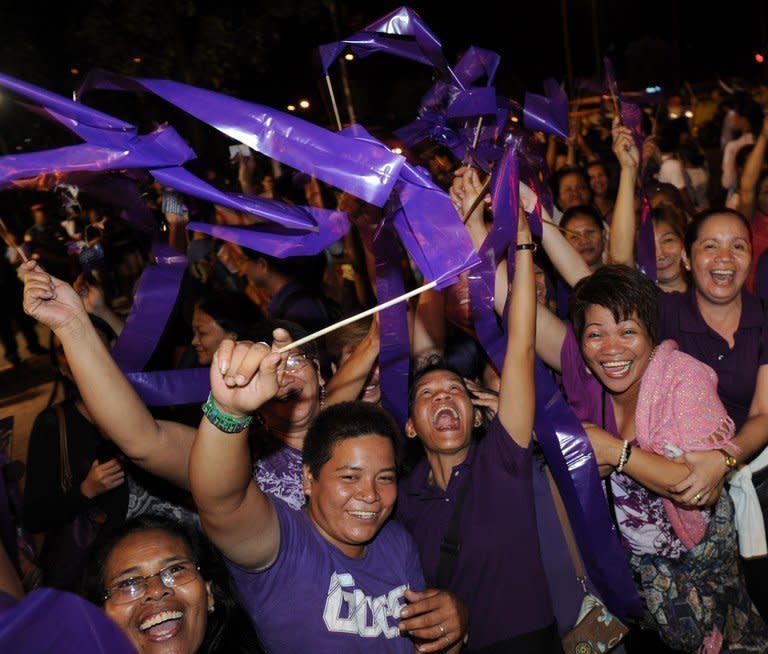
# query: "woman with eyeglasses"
{"type": "Point", "coordinates": [167, 589]}
{"type": "Point", "coordinates": [162, 447]}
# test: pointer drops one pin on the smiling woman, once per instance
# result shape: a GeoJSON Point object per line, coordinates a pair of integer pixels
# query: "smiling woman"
{"type": "Point", "coordinates": [167, 590]}
{"type": "Point", "coordinates": [654, 403]}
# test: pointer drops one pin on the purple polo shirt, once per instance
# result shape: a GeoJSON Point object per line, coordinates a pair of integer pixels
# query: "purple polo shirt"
{"type": "Point", "coordinates": [499, 572]}
{"type": "Point", "coordinates": [736, 368]}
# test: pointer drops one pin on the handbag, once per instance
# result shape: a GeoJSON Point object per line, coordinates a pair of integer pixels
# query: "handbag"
{"type": "Point", "coordinates": [596, 630]}
{"type": "Point", "coordinates": [66, 547]}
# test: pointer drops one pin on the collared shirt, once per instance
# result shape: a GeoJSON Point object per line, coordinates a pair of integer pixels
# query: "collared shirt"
{"type": "Point", "coordinates": [736, 367]}
{"type": "Point", "coordinates": [499, 571]}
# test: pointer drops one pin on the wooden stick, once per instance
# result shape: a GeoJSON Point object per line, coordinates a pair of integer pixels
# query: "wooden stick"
{"type": "Point", "coordinates": [356, 317]}
{"type": "Point", "coordinates": [483, 190]}
{"type": "Point", "coordinates": [333, 101]}
{"type": "Point", "coordinates": [478, 129]}
{"type": "Point", "coordinates": [5, 235]}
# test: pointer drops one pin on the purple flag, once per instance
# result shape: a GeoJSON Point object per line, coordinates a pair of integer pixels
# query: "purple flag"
{"type": "Point", "coordinates": [547, 113]}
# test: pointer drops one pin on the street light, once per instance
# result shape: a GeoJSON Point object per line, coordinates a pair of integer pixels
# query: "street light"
{"type": "Point", "coordinates": [291, 107]}
{"type": "Point", "coordinates": [304, 104]}
{"type": "Point", "coordinates": [349, 56]}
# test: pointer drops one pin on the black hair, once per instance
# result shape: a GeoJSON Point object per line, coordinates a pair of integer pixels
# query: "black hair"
{"type": "Point", "coordinates": [622, 290]}
{"type": "Point", "coordinates": [692, 233]}
{"type": "Point", "coordinates": [263, 332]}
{"type": "Point", "coordinates": [229, 627]}
{"type": "Point", "coordinates": [69, 386]}
{"type": "Point", "coordinates": [671, 217]}
{"type": "Point", "coordinates": [348, 420]}
{"type": "Point", "coordinates": [743, 154]}
{"type": "Point", "coordinates": [583, 210]}
{"type": "Point", "coordinates": [745, 105]}
{"type": "Point", "coordinates": [233, 312]}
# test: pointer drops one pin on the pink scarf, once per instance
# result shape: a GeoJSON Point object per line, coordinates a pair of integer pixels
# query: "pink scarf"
{"type": "Point", "coordinates": [678, 405]}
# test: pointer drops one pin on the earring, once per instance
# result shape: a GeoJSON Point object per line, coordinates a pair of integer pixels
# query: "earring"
{"type": "Point", "coordinates": [211, 608]}
{"type": "Point", "coordinates": [322, 396]}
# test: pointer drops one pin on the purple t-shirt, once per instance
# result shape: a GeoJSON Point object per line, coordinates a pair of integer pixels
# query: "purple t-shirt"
{"type": "Point", "coordinates": [314, 598]}
{"type": "Point", "coordinates": [499, 572]}
{"type": "Point", "coordinates": [642, 520]}
{"type": "Point", "coordinates": [736, 368]}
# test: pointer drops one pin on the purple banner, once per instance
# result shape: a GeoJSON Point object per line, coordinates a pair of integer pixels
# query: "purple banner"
{"type": "Point", "coordinates": [170, 387]}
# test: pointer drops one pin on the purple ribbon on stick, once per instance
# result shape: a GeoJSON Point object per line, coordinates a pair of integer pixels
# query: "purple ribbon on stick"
{"type": "Point", "coordinates": [547, 113]}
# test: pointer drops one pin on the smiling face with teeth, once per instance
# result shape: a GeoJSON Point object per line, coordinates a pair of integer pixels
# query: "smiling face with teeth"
{"type": "Point", "coordinates": [165, 620]}
{"type": "Point", "coordinates": [352, 495]}
{"type": "Point", "coordinates": [720, 258]}
{"type": "Point", "coordinates": [617, 353]}
{"type": "Point", "coordinates": [442, 415]}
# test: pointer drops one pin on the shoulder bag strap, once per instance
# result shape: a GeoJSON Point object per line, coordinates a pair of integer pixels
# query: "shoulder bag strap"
{"type": "Point", "coordinates": [65, 471]}
{"type": "Point", "coordinates": [451, 544]}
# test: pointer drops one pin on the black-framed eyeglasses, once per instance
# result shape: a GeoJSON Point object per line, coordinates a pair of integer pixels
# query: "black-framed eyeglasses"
{"type": "Point", "coordinates": [133, 588]}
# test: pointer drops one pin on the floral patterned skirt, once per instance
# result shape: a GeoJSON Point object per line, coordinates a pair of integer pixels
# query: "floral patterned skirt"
{"type": "Point", "coordinates": [700, 599]}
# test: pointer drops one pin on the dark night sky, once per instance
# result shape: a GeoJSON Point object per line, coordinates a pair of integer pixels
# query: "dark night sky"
{"type": "Point", "coordinates": [651, 42]}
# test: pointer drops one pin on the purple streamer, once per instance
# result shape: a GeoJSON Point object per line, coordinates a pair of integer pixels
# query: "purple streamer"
{"type": "Point", "coordinates": [365, 171]}
{"type": "Point", "coordinates": [394, 353]}
{"type": "Point", "coordinates": [170, 387]}
{"type": "Point", "coordinates": [153, 304]}
{"type": "Point", "coordinates": [288, 215]}
{"type": "Point", "coordinates": [475, 63]}
{"type": "Point", "coordinates": [646, 244]}
{"type": "Point", "coordinates": [279, 242]}
{"type": "Point", "coordinates": [547, 113]}
{"type": "Point", "coordinates": [401, 33]}
{"type": "Point", "coordinates": [473, 102]}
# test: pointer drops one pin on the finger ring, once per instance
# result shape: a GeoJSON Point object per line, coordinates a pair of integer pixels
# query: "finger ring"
{"type": "Point", "coordinates": [441, 628]}
{"type": "Point", "coordinates": [697, 497]}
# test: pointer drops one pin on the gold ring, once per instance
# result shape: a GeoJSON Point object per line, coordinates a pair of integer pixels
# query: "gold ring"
{"type": "Point", "coordinates": [441, 628]}
{"type": "Point", "coordinates": [697, 497]}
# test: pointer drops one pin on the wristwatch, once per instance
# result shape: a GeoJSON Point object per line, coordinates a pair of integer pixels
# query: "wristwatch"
{"type": "Point", "coordinates": [730, 460]}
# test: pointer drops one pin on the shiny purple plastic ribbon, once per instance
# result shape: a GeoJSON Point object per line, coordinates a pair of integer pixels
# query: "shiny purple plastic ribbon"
{"type": "Point", "coordinates": [356, 167]}
{"type": "Point", "coordinates": [280, 242]}
{"type": "Point", "coordinates": [394, 352]}
{"type": "Point", "coordinates": [558, 431]}
{"type": "Point", "coordinates": [153, 304]}
{"type": "Point", "coordinates": [401, 33]}
{"type": "Point", "coordinates": [547, 113]}
{"type": "Point", "coordinates": [170, 387]}
{"type": "Point", "coordinates": [288, 215]}
{"type": "Point", "coordinates": [646, 242]}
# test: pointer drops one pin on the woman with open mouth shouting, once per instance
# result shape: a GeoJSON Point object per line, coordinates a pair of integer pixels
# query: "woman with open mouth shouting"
{"type": "Point", "coordinates": [167, 590]}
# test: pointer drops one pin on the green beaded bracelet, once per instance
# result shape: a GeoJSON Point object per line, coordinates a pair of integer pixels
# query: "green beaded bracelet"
{"type": "Point", "coordinates": [223, 421]}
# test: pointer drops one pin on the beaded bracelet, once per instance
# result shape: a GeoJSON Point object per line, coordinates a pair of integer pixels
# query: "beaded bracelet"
{"type": "Point", "coordinates": [223, 421]}
{"type": "Point", "coordinates": [626, 452]}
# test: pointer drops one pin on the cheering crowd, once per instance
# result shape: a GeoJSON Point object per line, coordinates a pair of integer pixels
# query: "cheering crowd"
{"type": "Point", "coordinates": [558, 446]}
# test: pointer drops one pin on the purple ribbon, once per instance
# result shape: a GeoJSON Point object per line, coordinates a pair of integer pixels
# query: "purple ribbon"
{"type": "Point", "coordinates": [304, 218]}
{"type": "Point", "coordinates": [394, 352]}
{"type": "Point", "coordinates": [558, 431]}
{"type": "Point", "coordinates": [356, 167]}
{"type": "Point", "coordinates": [547, 113]}
{"type": "Point", "coordinates": [169, 387]}
{"type": "Point", "coordinates": [280, 242]}
{"type": "Point", "coordinates": [401, 33]}
{"type": "Point", "coordinates": [152, 306]}
{"type": "Point", "coordinates": [646, 242]}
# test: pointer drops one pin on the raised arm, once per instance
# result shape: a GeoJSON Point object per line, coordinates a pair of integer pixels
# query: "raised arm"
{"type": "Point", "coordinates": [752, 169]}
{"type": "Point", "coordinates": [237, 516]}
{"type": "Point", "coordinates": [347, 382]}
{"type": "Point", "coordinates": [621, 246]}
{"type": "Point", "coordinates": [160, 447]}
{"type": "Point", "coordinates": [517, 395]}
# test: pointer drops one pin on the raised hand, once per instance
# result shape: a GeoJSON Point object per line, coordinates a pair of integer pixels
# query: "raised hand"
{"type": "Point", "coordinates": [244, 376]}
{"type": "Point", "coordinates": [102, 477]}
{"type": "Point", "coordinates": [48, 299]}
{"type": "Point", "coordinates": [92, 294]}
{"type": "Point", "coordinates": [624, 147]}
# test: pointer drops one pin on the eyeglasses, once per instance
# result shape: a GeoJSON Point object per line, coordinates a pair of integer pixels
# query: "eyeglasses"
{"type": "Point", "coordinates": [134, 588]}
{"type": "Point", "coordinates": [296, 362]}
